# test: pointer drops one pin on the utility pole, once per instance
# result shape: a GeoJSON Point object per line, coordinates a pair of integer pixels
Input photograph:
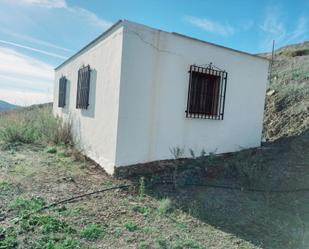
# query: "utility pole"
{"type": "Point", "coordinates": [272, 61]}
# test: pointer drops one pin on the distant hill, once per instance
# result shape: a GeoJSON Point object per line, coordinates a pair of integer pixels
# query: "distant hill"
{"type": "Point", "coordinates": [5, 106]}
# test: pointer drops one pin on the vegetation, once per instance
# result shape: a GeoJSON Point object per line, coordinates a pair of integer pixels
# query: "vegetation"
{"type": "Point", "coordinates": [142, 187]}
{"type": "Point", "coordinates": [92, 232]}
{"type": "Point", "coordinates": [166, 206]}
{"type": "Point", "coordinates": [287, 101]}
{"type": "Point", "coordinates": [130, 226]}
{"type": "Point", "coordinates": [36, 125]}
{"type": "Point", "coordinates": [38, 166]}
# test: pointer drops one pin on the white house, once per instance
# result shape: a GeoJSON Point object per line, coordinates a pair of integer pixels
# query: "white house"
{"type": "Point", "coordinates": [135, 93]}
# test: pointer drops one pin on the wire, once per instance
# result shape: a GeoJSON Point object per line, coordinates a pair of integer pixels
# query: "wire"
{"type": "Point", "coordinates": [16, 220]}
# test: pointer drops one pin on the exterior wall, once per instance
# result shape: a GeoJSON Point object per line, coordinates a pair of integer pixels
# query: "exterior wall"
{"type": "Point", "coordinates": [95, 129]}
{"type": "Point", "coordinates": [153, 97]}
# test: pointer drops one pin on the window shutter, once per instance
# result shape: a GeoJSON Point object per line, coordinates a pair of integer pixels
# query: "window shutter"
{"type": "Point", "coordinates": [62, 92]}
{"type": "Point", "coordinates": [83, 88]}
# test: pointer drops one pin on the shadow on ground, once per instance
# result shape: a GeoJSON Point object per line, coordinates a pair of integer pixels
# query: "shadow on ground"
{"type": "Point", "coordinates": [268, 220]}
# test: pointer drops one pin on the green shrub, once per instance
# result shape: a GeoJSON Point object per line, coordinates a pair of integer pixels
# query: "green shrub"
{"type": "Point", "coordinates": [66, 244]}
{"type": "Point", "coordinates": [141, 209]}
{"type": "Point", "coordinates": [50, 224]}
{"type": "Point", "coordinates": [26, 206]}
{"type": "Point", "coordinates": [52, 150]}
{"type": "Point", "coordinates": [143, 245]}
{"type": "Point", "coordinates": [130, 226]}
{"type": "Point", "coordinates": [47, 224]}
{"type": "Point", "coordinates": [187, 243]}
{"type": "Point", "coordinates": [8, 238]}
{"type": "Point", "coordinates": [6, 188]}
{"type": "Point", "coordinates": [165, 206]}
{"type": "Point", "coordinates": [92, 232]}
{"type": "Point", "coordinates": [160, 243]}
{"type": "Point", "coordinates": [48, 243]}
{"type": "Point", "coordinates": [142, 187]}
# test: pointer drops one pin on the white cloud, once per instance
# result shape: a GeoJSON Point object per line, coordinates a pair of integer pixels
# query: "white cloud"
{"type": "Point", "coordinates": [33, 40]}
{"type": "Point", "coordinates": [91, 17]}
{"type": "Point", "coordinates": [24, 79]}
{"type": "Point", "coordinates": [211, 26]}
{"type": "Point", "coordinates": [273, 28]}
{"type": "Point", "coordinates": [45, 3]}
{"type": "Point", "coordinates": [33, 49]}
{"type": "Point", "coordinates": [22, 74]}
{"type": "Point", "coordinates": [300, 30]}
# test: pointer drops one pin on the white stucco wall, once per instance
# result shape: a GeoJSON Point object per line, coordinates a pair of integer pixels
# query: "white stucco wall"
{"type": "Point", "coordinates": [95, 129]}
{"type": "Point", "coordinates": [138, 97]}
{"type": "Point", "coordinates": [153, 97]}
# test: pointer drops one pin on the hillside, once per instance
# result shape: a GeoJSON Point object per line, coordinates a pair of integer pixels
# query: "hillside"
{"type": "Point", "coordinates": [5, 106]}
{"type": "Point", "coordinates": [287, 100]}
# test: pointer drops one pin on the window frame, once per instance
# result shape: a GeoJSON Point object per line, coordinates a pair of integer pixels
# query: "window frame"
{"type": "Point", "coordinates": [62, 92]}
{"type": "Point", "coordinates": [199, 86]}
{"type": "Point", "coordinates": [83, 87]}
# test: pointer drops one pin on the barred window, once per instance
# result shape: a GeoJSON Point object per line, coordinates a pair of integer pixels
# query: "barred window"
{"type": "Point", "coordinates": [62, 91]}
{"type": "Point", "coordinates": [206, 95]}
{"type": "Point", "coordinates": [83, 87]}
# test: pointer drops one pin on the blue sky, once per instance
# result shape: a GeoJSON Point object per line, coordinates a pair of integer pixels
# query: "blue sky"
{"type": "Point", "coordinates": [37, 35]}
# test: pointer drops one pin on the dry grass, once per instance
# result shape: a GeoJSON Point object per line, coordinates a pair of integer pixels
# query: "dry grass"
{"type": "Point", "coordinates": [286, 112]}
{"type": "Point", "coordinates": [34, 125]}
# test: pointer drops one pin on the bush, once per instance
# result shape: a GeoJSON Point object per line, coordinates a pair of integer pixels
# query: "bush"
{"type": "Point", "coordinates": [34, 125]}
{"type": "Point", "coordinates": [130, 226]}
{"type": "Point", "coordinates": [8, 238]}
{"type": "Point", "coordinates": [166, 206]}
{"type": "Point", "coordinates": [92, 232]}
{"type": "Point", "coordinates": [26, 206]}
{"type": "Point", "coordinates": [299, 52]}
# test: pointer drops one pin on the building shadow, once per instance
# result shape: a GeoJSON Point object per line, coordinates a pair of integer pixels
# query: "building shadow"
{"type": "Point", "coordinates": [264, 218]}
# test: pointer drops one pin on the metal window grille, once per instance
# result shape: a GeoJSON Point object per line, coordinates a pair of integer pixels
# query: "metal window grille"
{"type": "Point", "coordinates": [83, 87]}
{"type": "Point", "coordinates": [62, 91]}
{"type": "Point", "coordinates": [206, 95]}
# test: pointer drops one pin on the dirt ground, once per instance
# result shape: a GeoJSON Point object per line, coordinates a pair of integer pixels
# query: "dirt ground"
{"type": "Point", "coordinates": [199, 217]}
{"type": "Point", "coordinates": [129, 221]}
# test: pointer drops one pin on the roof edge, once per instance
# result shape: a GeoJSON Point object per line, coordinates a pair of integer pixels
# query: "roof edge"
{"type": "Point", "coordinates": [121, 21]}
{"type": "Point", "coordinates": [90, 44]}
{"type": "Point", "coordinates": [220, 46]}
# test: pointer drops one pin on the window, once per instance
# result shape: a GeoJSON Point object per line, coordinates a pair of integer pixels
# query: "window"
{"type": "Point", "coordinates": [206, 95]}
{"type": "Point", "coordinates": [83, 86]}
{"type": "Point", "coordinates": [62, 91]}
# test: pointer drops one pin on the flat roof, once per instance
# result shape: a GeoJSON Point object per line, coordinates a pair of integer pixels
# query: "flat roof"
{"type": "Point", "coordinates": [120, 22]}
{"type": "Point", "coordinates": [90, 44]}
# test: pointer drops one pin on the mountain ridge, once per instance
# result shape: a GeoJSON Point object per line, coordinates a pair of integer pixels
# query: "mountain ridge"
{"type": "Point", "coordinates": [6, 106]}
